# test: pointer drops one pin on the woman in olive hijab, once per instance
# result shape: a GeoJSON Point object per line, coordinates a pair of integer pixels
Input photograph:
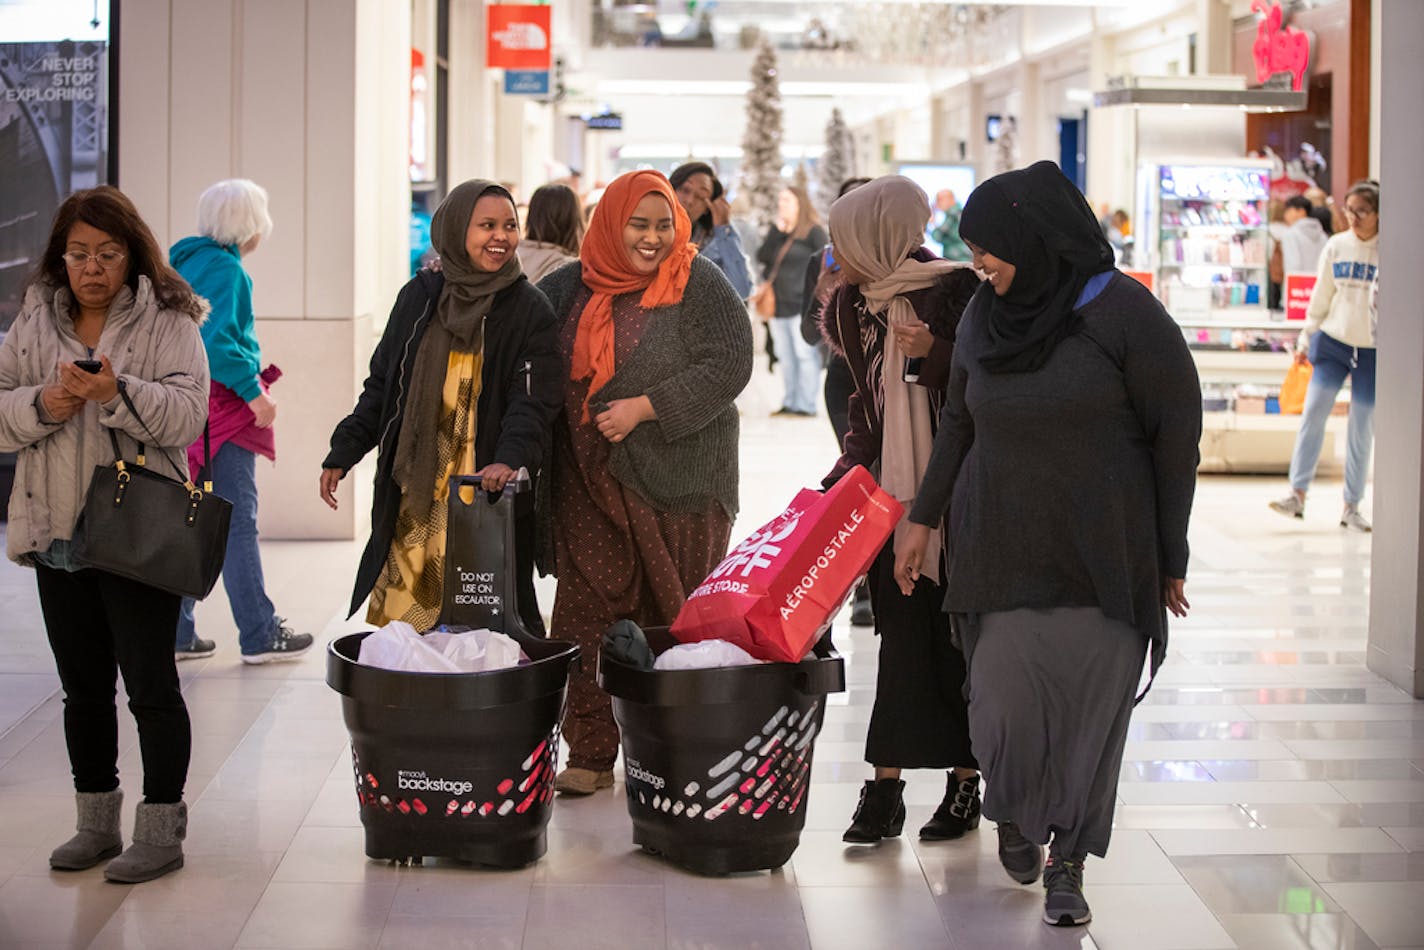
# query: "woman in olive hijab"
{"type": "Point", "coordinates": [465, 380]}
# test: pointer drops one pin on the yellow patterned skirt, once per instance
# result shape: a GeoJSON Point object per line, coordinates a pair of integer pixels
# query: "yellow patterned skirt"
{"type": "Point", "coordinates": [411, 584]}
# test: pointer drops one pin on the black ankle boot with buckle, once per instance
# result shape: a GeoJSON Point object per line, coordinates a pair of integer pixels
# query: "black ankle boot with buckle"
{"type": "Point", "coordinates": [880, 812]}
{"type": "Point", "coordinates": [958, 813]}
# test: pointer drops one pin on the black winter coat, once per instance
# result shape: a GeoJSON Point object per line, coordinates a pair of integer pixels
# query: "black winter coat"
{"type": "Point", "coordinates": [521, 390]}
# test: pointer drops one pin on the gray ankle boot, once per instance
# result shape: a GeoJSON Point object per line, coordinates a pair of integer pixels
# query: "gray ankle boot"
{"type": "Point", "coordinates": [99, 837]}
{"type": "Point", "coordinates": [157, 847]}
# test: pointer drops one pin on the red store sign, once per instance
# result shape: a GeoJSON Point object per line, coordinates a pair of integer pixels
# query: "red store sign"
{"type": "Point", "coordinates": [518, 36]}
{"type": "Point", "coordinates": [1279, 48]}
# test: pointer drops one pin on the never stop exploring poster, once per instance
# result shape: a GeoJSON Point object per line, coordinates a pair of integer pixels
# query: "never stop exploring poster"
{"type": "Point", "coordinates": [54, 128]}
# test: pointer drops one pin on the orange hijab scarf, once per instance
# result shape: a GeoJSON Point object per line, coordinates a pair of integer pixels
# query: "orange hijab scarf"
{"type": "Point", "coordinates": [608, 273]}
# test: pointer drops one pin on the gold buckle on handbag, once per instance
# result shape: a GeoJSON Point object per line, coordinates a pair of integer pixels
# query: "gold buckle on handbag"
{"type": "Point", "coordinates": [195, 498]}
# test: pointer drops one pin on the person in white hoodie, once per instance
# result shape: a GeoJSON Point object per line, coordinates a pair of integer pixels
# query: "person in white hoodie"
{"type": "Point", "coordinates": [1339, 341]}
{"type": "Point", "coordinates": [1303, 239]}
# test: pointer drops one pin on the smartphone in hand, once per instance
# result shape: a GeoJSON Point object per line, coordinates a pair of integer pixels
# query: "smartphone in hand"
{"type": "Point", "coordinates": [89, 366]}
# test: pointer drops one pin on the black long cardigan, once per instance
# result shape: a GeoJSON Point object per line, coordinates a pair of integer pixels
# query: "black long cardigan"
{"type": "Point", "coordinates": [521, 390]}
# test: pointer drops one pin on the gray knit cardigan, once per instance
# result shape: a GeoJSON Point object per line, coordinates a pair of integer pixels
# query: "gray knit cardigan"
{"type": "Point", "coordinates": [692, 361]}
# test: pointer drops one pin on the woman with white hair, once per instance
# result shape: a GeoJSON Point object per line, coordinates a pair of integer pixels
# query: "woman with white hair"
{"type": "Point", "coordinates": [232, 221]}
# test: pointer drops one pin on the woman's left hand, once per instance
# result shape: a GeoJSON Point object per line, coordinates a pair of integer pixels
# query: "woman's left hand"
{"type": "Point", "coordinates": [495, 476]}
{"type": "Point", "coordinates": [95, 387]}
{"type": "Point", "coordinates": [914, 338]}
{"type": "Point", "coordinates": [623, 416]}
{"type": "Point", "coordinates": [1174, 595]}
{"type": "Point", "coordinates": [721, 212]}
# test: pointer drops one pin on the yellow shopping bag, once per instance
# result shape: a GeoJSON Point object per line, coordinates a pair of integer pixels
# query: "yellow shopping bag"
{"type": "Point", "coordinates": [1293, 389]}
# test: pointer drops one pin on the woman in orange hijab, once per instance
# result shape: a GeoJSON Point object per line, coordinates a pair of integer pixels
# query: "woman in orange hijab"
{"type": "Point", "coordinates": [657, 346]}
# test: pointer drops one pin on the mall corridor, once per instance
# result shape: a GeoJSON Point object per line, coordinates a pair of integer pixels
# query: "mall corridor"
{"type": "Point", "coordinates": [1272, 793]}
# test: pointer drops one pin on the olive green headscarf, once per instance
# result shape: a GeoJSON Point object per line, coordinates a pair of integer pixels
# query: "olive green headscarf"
{"type": "Point", "coordinates": [458, 324]}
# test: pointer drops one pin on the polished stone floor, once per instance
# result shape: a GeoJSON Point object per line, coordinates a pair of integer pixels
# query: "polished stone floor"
{"type": "Point", "coordinates": [1272, 793]}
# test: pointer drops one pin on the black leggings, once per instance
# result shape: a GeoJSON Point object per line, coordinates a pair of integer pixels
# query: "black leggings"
{"type": "Point", "coordinates": [100, 624]}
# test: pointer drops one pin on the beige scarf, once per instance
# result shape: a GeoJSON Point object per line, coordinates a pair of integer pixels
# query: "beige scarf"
{"type": "Point", "coordinates": [874, 229]}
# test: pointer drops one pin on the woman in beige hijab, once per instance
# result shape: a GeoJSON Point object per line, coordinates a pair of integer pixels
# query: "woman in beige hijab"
{"type": "Point", "coordinates": [894, 320]}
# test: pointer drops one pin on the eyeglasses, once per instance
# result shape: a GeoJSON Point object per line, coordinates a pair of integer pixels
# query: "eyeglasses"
{"type": "Point", "coordinates": [107, 259]}
{"type": "Point", "coordinates": [1356, 212]}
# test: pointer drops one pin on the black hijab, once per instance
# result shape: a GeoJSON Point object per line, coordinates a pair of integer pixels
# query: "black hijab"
{"type": "Point", "coordinates": [1037, 220]}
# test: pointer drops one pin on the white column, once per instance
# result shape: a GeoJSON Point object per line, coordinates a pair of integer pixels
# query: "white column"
{"type": "Point", "coordinates": [978, 148]}
{"type": "Point", "coordinates": [1031, 121]}
{"type": "Point", "coordinates": [472, 98]}
{"type": "Point", "coordinates": [310, 99]}
{"type": "Point", "coordinates": [1396, 642]}
{"type": "Point", "coordinates": [1214, 37]}
{"type": "Point", "coordinates": [1112, 151]}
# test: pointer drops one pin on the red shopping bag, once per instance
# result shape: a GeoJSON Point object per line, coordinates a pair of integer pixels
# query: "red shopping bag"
{"type": "Point", "coordinates": [775, 592]}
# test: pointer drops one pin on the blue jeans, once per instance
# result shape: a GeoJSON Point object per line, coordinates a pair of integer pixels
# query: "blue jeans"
{"type": "Point", "coordinates": [1333, 361]}
{"type": "Point", "coordinates": [801, 364]}
{"type": "Point", "coordinates": [235, 478]}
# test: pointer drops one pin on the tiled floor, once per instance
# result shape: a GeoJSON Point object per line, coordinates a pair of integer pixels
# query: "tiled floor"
{"type": "Point", "coordinates": [1272, 794]}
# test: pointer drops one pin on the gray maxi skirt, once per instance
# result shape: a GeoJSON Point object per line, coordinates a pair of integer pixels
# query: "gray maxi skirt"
{"type": "Point", "coordinates": [1050, 697]}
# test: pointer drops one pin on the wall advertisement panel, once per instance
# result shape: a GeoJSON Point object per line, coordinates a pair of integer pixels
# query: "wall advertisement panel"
{"type": "Point", "coordinates": [54, 140]}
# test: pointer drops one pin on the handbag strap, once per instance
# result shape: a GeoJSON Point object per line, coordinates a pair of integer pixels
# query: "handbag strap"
{"type": "Point", "coordinates": [181, 470]}
{"type": "Point", "coordinates": [780, 256]}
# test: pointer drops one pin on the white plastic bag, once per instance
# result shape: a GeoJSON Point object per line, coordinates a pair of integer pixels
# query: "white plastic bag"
{"type": "Point", "coordinates": [704, 655]}
{"type": "Point", "coordinates": [476, 651]}
{"type": "Point", "coordinates": [398, 647]}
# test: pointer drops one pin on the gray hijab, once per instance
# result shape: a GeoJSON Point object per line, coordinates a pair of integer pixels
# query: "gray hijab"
{"type": "Point", "coordinates": [458, 325]}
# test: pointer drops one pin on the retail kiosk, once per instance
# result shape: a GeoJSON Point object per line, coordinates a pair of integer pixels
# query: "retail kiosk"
{"type": "Point", "coordinates": [1202, 246]}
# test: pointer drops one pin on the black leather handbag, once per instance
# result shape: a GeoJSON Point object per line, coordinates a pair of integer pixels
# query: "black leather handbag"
{"type": "Point", "coordinates": [150, 528]}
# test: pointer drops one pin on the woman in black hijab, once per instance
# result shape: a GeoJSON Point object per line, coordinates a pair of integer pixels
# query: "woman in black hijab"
{"type": "Point", "coordinates": [1066, 458]}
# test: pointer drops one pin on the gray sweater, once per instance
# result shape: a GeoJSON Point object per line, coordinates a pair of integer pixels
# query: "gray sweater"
{"type": "Point", "coordinates": [1071, 485]}
{"type": "Point", "coordinates": [692, 361]}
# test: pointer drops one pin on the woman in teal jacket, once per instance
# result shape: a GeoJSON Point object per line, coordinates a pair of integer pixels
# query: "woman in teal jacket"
{"type": "Point", "coordinates": [232, 221]}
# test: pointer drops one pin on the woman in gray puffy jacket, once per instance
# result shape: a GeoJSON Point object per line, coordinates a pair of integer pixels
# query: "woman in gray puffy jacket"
{"type": "Point", "coordinates": [103, 318]}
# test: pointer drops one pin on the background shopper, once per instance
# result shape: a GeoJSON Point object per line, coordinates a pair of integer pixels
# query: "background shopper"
{"type": "Point", "coordinates": [791, 241]}
{"type": "Point", "coordinates": [1303, 239]}
{"type": "Point", "coordinates": [103, 293]}
{"type": "Point", "coordinates": [1338, 339]}
{"type": "Point", "coordinates": [553, 231]}
{"type": "Point", "coordinates": [894, 321]}
{"type": "Point", "coordinates": [823, 277]}
{"type": "Point", "coordinates": [465, 380]}
{"type": "Point", "coordinates": [1066, 456]}
{"type": "Point", "coordinates": [701, 195]}
{"type": "Point", "coordinates": [656, 346]}
{"type": "Point", "coordinates": [232, 222]}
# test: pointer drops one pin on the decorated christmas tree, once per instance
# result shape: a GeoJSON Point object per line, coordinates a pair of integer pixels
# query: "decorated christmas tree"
{"type": "Point", "coordinates": [760, 173]}
{"type": "Point", "coordinates": [836, 165]}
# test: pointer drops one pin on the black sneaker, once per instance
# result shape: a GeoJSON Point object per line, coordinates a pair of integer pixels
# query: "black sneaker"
{"type": "Point", "coordinates": [1020, 857]}
{"type": "Point", "coordinates": [1063, 901]}
{"type": "Point", "coordinates": [285, 646]}
{"type": "Point", "coordinates": [196, 650]}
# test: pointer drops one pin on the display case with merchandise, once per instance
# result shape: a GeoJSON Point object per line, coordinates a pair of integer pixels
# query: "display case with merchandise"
{"type": "Point", "coordinates": [1203, 236]}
